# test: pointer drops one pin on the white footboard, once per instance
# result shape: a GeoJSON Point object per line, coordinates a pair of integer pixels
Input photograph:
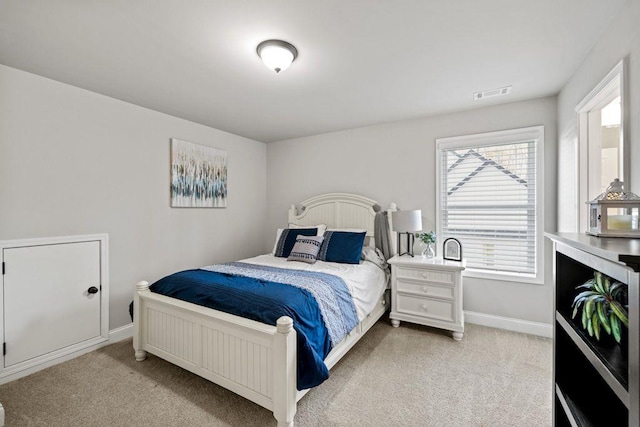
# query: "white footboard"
{"type": "Point", "coordinates": [254, 360]}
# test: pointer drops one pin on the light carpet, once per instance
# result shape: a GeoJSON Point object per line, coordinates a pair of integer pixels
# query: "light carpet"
{"type": "Point", "coordinates": [407, 376]}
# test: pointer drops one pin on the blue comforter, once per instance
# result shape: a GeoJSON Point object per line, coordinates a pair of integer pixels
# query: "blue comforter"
{"type": "Point", "coordinates": [320, 305]}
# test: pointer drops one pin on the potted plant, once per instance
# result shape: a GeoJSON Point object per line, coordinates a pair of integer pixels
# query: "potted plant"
{"type": "Point", "coordinates": [603, 306]}
{"type": "Point", "coordinates": [429, 239]}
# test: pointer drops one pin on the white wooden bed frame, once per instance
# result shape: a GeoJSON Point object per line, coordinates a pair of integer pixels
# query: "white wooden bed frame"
{"type": "Point", "coordinates": [252, 359]}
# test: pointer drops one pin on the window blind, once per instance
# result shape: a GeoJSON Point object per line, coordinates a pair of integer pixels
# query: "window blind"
{"type": "Point", "coordinates": [488, 202]}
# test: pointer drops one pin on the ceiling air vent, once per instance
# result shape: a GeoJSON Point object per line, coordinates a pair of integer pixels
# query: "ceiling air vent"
{"type": "Point", "coordinates": [491, 93]}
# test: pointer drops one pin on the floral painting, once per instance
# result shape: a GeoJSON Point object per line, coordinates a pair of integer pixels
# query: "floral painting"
{"type": "Point", "coordinates": [198, 176]}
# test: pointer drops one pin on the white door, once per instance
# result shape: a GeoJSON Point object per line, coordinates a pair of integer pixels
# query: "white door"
{"type": "Point", "coordinates": [51, 298]}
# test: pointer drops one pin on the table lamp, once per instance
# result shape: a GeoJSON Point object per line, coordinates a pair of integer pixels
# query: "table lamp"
{"type": "Point", "coordinates": [406, 222]}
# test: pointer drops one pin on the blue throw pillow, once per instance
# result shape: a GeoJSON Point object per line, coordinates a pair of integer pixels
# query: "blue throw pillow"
{"type": "Point", "coordinates": [342, 246]}
{"type": "Point", "coordinates": [288, 239]}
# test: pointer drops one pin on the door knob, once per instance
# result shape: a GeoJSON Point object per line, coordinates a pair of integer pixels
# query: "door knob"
{"type": "Point", "coordinates": [92, 290]}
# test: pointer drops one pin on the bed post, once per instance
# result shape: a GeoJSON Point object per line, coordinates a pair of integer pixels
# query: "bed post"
{"type": "Point", "coordinates": [293, 212]}
{"type": "Point", "coordinates": [137, 324]}
{"type": "Point", "coordinates": [284, 374]}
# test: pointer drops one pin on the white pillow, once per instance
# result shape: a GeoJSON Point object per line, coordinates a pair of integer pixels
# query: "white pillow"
{"type": "Point", "coordinates": [349, 230]}
{"type": "Point", "coordinates": [321, 229]}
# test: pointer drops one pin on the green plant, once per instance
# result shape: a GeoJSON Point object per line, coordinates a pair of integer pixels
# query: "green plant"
{"type": "Point", "coordinates": [429, 237]}
{"type": "Point", "coordinates": [602, 306]}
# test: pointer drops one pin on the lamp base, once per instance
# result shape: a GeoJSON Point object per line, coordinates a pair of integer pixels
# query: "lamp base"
{"type": "Point", "coordinates": [410, 241]}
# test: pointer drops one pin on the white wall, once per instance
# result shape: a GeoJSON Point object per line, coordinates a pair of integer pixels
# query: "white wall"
{"type": "Point", "coordinates": [395, 162]}
{"type": "Point", "coordinates": [622, 39]}
{"type": "Point", "coordinates": [76, 162]}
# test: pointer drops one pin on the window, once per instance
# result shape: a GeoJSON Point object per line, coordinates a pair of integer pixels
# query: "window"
{"type": "Point", "coordinates": [490, 199]}
{"type": "Point", "coordinates": [602, 145]}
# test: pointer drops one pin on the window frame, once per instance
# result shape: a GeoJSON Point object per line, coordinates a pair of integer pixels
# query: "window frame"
{"type": "Point", "coordinates": [500, 138]}
{"type": "Point", "coordinates": [615, 80]}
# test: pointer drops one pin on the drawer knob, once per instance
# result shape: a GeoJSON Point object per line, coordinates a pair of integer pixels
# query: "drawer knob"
{"type": "Point", "coordinates": [424, 275]}
{"type": "Point", "coordinates": [425, 289]}
{"type": "Point", "coordinates": [424, 307]}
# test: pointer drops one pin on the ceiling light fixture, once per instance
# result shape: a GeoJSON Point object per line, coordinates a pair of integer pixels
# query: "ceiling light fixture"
{"type": "Point", "coordinates": [277, 54]}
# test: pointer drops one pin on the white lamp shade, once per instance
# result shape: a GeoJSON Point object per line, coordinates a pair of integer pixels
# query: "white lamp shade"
{"type": "Point", "coordinates": [406, 221]}
{"type": "Point", "coordinates": [277, 54]}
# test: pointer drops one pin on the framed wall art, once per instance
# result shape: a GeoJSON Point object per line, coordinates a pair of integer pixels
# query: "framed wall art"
{"type": "Point", "coordinates": [452, 249]}
{"type": "Point", "coordinates": [198, 176]}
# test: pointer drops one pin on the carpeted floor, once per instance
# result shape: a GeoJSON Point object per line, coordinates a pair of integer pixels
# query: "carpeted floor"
{"type": "Point", "coordinates": [409, 376]}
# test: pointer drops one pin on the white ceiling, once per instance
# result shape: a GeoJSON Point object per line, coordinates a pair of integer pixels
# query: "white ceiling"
{"type": "Point", "coordinates": [360, 62]}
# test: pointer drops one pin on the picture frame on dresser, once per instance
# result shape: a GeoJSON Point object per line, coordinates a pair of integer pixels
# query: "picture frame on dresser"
{"type": "Point", "coordinates": [452, 249]}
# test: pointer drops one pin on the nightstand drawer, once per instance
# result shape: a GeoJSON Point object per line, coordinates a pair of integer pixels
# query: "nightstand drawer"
{"type": "Point", "coordinates": [424, 307]}
{"type": "Point", "coordinates": [425, 289]}
{"type": "Point", "coordinates": [439, 276]}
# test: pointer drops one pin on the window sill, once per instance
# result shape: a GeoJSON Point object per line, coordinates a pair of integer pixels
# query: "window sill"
{"type": "Point", "coordinates": [504, 277]}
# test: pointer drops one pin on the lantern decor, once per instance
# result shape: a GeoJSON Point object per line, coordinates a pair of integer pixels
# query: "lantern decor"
{"type": "Point", "coordinates": [614, 213]}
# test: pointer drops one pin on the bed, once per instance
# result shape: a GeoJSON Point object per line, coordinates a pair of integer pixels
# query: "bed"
{"type": "Point", "coordinates": [253, 359]}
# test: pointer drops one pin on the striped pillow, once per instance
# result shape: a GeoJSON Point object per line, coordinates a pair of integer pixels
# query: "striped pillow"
{"type": "Point", "coordinates": [306, 249]}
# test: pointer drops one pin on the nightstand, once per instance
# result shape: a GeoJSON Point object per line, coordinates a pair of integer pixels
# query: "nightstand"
{"type": "Point", "coordinates": [427, 291]}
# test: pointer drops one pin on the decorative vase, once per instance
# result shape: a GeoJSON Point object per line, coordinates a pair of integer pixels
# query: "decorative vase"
{"type": "Point", "coordinates": [428, 252]}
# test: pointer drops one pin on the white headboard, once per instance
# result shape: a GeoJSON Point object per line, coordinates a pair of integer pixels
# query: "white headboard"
{"type": "Point", "coordinates": [336, 210]}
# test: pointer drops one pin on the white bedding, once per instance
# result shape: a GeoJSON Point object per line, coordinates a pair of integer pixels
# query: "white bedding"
{"type": "Point", "coordinates": [366, 281]}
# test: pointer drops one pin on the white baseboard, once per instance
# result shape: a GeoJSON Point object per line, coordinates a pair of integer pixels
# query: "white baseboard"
{"type": "Point", "coordinates": [121, 333]}
{"type": "Point", "coordinates": [509, 323]}
{"type": "Point", "coordinates": [63, 355]}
